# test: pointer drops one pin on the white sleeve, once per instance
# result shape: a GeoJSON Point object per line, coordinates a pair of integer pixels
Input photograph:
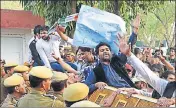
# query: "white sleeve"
{"type": "Point", "coordinates": [70, 41]}
{"type": "Point", "coordinates": [157, 83]}
{"type": "Point", "coordinates": [42, 55]}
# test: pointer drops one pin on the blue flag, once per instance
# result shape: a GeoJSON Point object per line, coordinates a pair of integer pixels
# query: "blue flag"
{"type": "Point", "coordinates": [94, 26]}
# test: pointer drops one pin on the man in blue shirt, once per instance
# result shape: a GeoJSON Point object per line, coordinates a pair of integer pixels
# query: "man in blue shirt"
{"type": "Point", "coordinates": [110, 71]}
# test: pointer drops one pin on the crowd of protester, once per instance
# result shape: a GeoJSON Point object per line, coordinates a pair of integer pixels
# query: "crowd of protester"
{"type": "Point", "coordinates": [58, 76]}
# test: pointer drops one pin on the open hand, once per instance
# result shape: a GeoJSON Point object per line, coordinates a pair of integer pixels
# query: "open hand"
{"type": "Point", "coordinates": [100, 85]}
{"type": "Point", "coordinates": [123, 46]}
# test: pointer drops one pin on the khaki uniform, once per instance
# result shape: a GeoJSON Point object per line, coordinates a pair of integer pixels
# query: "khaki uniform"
{"type": "Point", "coordinates": [39, 99]}
{"type": "Point", "coordinates": [3, 90]}
{"type": "Point", "coordinates": [59, 97]}
{"type": "Point", "coordinates": [10, 101]}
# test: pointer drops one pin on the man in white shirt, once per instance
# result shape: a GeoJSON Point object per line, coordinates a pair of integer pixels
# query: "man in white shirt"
{"type": "Point", "coordinates": [163, 87]}
{"type": "Point", "coordinates": [33, 54]}
{"type": "Point", "coordinates": [46, 46]}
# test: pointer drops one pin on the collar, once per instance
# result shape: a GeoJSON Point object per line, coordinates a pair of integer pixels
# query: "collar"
{"type": "Point", "coordinates": [59, 96]}
{"type": "Point", "coordinates": [12, 99]}
{"type": "Point", "coordinates": [35, 91]}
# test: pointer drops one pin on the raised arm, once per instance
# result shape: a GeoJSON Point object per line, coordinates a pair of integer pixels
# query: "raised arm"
{"type": "Point", "coordinates": [60, 31]}
{"type": "Point", "coordinates": [157, 83]}
{"type": "Point", "coordinates": [166, 63]}
{"type": "Point", "coordinates": [64, 65]}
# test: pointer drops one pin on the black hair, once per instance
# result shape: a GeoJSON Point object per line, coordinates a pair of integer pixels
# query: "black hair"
{"type": "Point", "coordinates": [58, 86]}
{"type": "Point", "coordinates": [35, 81]}
{"type": "Point", "coordinates": [44, 28]}
{"type": "Point", "coordinates": [136, 51]}
{"type": "Point", "coordinates": [68, 104]}
{"type": "Point", "coordinates": [161, 51]}
{"type": "Point", "coordinates": [8, 68]}
{"type": "Point", "coordinates": [10, 90]}
{"type": "Point", "coordinates": [166, 74]}
{"type": "Point", "coordinates": [37, 29]}
{"type": "Point", "coordinates": [83, 49]}
{"type": "Point", "coordinates": [172, 48]}
{"type": "Point", "coordinates": [99, 45]}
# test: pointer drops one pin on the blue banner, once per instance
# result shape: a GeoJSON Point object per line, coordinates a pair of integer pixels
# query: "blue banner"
{"type": "Point", "coordinates": [94, 26]}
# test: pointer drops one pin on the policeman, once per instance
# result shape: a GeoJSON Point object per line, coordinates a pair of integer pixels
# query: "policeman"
{"type": "Point", "coordinates": [23, 71]}
{"type": "Point", "coordinates": [58, 84]}
{"type": "Point", "coordinates": [15, 87]}
{"type": "Point", "coordinates": [40, 81]}
{"type": "Point", "coordinates": [85, 103]}
{"type": "Point", "coordinates": [74, 93]}
{"type": "Point", "coordinates": [9, 69]}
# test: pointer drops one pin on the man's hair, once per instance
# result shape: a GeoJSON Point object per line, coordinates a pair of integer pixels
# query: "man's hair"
{"type": "Point", "coordinates": [172, 48]}
{"type": "Point", "coordinates": [166, 74]}
{"type": "Point", "coordinates": [35, 81]}
{"type": "Point", "coordinates": [101, 44]}
{"type": "Point", "coordinates": [44, 28]}
{"type": "Point", "coordinates": [37, 29]}
{"type": "Point", "coordinates": [161, 51]}
{"type": "Point", "coordinates": [136, 51]}
{"type": "Point", "coordinates": [10, 90]}
{"type": "Point", "coordinates": [58, 86]}
{"type": "Point", "coordinates": [7, 68]}
{"type": "Point", "coordinates": [83, 49]}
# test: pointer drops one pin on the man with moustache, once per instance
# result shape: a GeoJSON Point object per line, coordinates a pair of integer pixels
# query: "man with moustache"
{"type": "Point", "coordinates": [48, 44]}
{"type": "Point", "coordinates": [110, 71]}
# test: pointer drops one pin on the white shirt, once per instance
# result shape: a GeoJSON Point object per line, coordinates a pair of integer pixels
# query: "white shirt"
{"type": "Point", "coordinates": [70, 41]}
{"type": "Point", "coordinates": [157, 83]}
{"type": "Point", "coordinates": [29, 51]}
{"type": "Point", "coordinates": [46, 48]}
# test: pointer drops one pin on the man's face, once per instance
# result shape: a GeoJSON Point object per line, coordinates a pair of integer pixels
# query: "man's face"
{"type": "Point", "coordinates": [130, 73]}
{"type": "Point", "coordinates": [104, 54]}
{"type": "Point", "coordinates": [80, 55]}
{"type": "Point", "coordinates": [172, 53]}
{"type": "Point", "coordinates": [47, 84]}
{"type": "Point", "coordinates": [171, 78]}
{"type": "Point", "coordinates": [89, 56]}
{"type": "Point", "coordinates": [44, 35]}
{"type": "Point", "coordinates": [69, 57]}
{"type": "Point", "coordinates": [22, 88]}
{"type": "Point", "coordinates": [10, 71]}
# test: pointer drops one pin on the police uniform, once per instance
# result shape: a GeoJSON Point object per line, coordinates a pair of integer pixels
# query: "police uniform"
{"type": "Point", "coordinates": [3, 89]}
{"type": "Point", "coordinates": [37, 98]}
{"type": "Point", "coordinates": [21, 69]}
{"type": "Point", "coordinates": [57, 77]}
{"type": "Point", "coordinates": [8, 65]}
{"type": "Point", "coordinates": [85, 103]}
{"type": "Point", "coordinates": [75, 92]}
{"type": "Point", "coordinates": [11, 81]}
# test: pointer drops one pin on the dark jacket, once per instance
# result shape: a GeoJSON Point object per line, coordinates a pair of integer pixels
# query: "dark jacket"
{"type": "Point", "coordinates": [35, 55]}
{"type": "Point", "coordinates": [117, 63]}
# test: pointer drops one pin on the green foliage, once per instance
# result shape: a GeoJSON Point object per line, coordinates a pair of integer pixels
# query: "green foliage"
{"type": "Point", "coordinates": [155, 21]}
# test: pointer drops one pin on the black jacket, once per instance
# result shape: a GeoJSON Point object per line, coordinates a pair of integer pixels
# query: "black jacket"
{"type": "Point", "coordinates": [117, 63]}
{"type": "Point", "coordinates": [35, 55]}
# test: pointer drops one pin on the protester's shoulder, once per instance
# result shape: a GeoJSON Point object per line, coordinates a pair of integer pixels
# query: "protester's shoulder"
{"type": "Point", "coordinates": [39, 43]}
